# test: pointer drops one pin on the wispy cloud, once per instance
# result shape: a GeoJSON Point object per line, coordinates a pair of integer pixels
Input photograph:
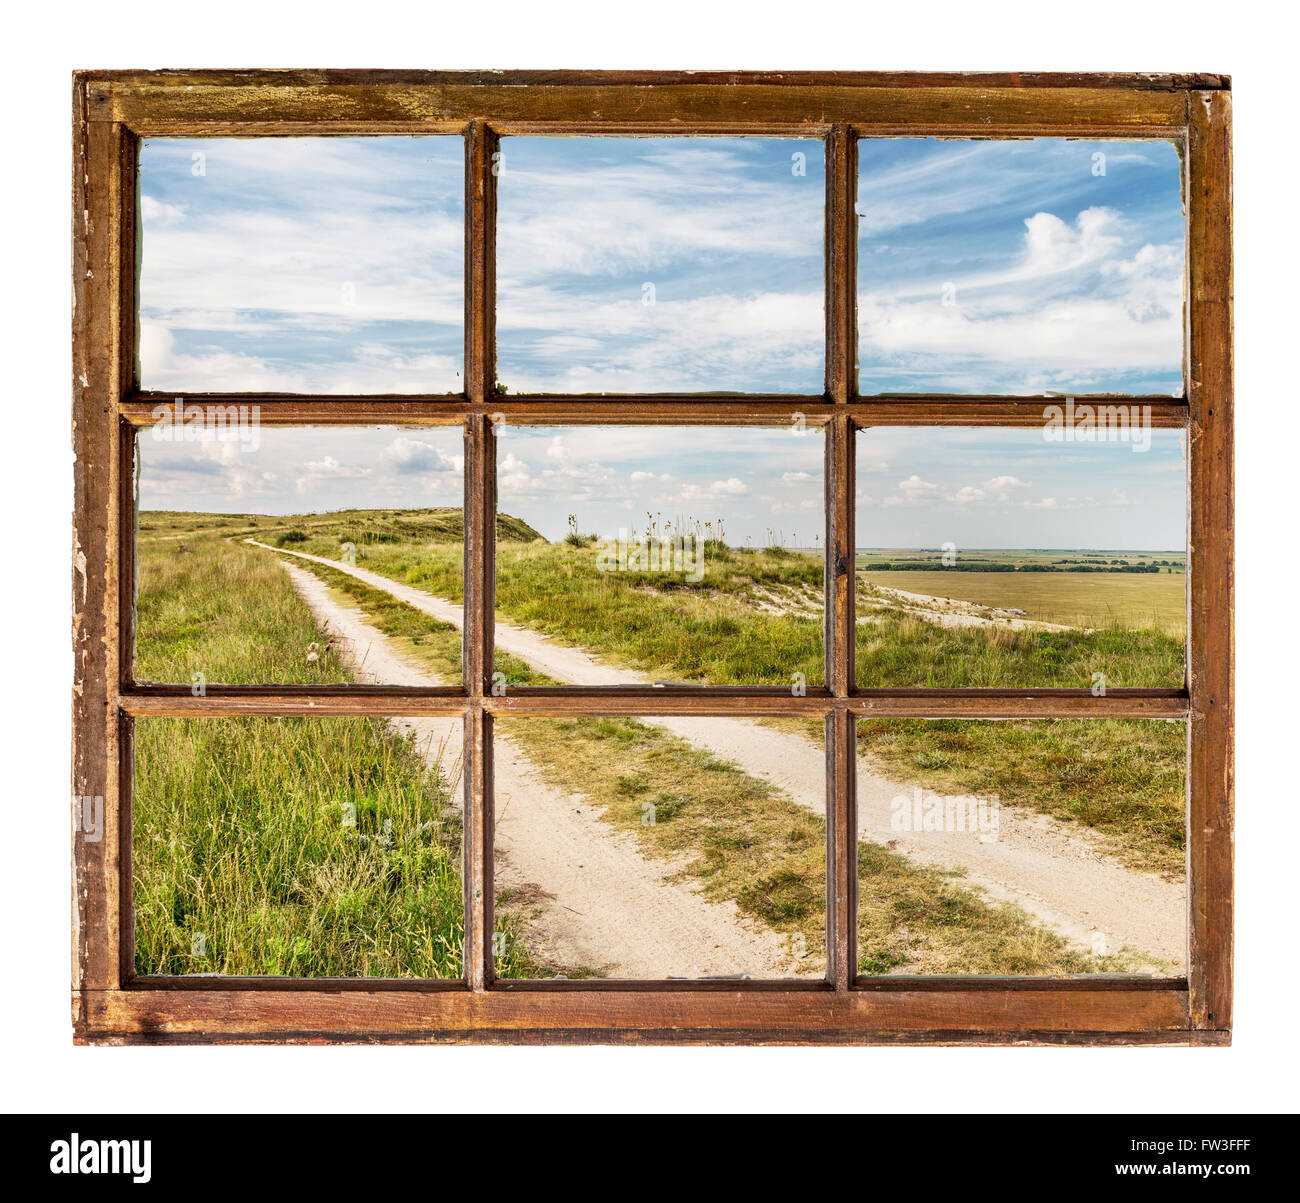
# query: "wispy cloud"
{"type": "Point", "coordinates": [305, 264]}
{"type": "Point", "coordinates": [661, 265]}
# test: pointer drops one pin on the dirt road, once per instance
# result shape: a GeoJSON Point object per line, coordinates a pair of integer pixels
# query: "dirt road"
{"type": "Point", "coordinates": [1057, 871]}
{"type": "Point", "coordinates": [592, 899]}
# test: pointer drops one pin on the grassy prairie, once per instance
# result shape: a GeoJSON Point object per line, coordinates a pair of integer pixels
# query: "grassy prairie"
{"type": "Point", "coordinates": [225, 611]}
{"type": "Point", "coordinates": [738, 838]}
{"type": "Point", "coordinates": [357, 526]}
{"type": "Point", "coordinates": [753, 620]}
{"type": "Point", "coordinates": [307, 847]}
{"type": "Point", "coordinates": [709, 632]}
{"type": "Point", "coordinates": [299, 847]}
{"type": "Point", "coordinates": [897, 648]}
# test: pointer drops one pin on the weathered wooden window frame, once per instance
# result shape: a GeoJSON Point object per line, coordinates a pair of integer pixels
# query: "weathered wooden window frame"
{"type": "Point", "coordinates": [113, 111]}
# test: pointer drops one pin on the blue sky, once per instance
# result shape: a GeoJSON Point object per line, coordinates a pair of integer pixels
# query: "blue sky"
{"type": "Point", "coordinates": [981, 488]}
{"type": "Point", "coordinates": [1019, 267]}
{"type": "Point", "coordinates": [302, 264]}
{"type": "Point", "coordinates": [727, 233]}
{"type": "Point", "coordinates": [335, 265]}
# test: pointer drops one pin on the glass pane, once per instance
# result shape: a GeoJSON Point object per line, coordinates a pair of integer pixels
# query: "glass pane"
{"type": "Point", "coordinates": [298, 847]}
{"type": "Point", "coordinates": [635, 555]}
{"type": "Point", "coordinates": [1032, 266]}
{"type": "Point", "coordinates": [660, 265]}
{"type": "Point", "coordinates": [324, 265]}
{"type": "Point", "coordinates": [653, 848]}
{"type": "Point", "coordinates": [278, 556]}
{"type": "Point", "coordinates": [1015, 558]}
{"type": "Point", "coordinates": [1043, 847]}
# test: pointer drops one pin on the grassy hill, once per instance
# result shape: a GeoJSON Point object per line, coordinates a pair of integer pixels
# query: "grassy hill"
{"type": "Point", "coordinates": [441, 525]}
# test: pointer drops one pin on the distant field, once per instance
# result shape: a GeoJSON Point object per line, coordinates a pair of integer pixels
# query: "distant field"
{"type": "Point", "coordinates": [968, 558]}
{"type": "Point", "coordinates": [1122, 597]}
{"type": "Point", "coordinates": [1081, 599]}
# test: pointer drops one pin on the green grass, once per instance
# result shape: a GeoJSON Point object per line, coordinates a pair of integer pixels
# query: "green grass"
{"type": "Point", "coordinates": [226, 611]}
{"type": "Point", "coordinates": [1124, 779]}
{"type": "Point", "coordinates": [297, 847]}
{"type": "Point", "coordinates": [717, 632]}
{"type": "Point", "coordinates": [707, 633]}
{"type": "Point", "coordinates": [919, 920]}
{"type": "Point", "coordinates": [897, 649]}
{"type": "Point", "coordinates": [304, 847]}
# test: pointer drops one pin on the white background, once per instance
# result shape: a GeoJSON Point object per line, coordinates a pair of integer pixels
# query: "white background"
{"type": "Point", "coordinates": [43, 1071]}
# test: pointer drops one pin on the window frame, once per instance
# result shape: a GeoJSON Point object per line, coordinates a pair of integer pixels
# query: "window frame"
{"type": "Point", "coordinates": [113, 111]}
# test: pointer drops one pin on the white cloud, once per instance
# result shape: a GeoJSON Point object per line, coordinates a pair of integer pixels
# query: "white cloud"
{"type": "Point", "coordinates": [1007, 488]}
{"type": "Point", "coordinates": [409, 455]}
{"type": "Point", "coordinates": [328, 468]}
{"type": "Point", "coordinates": [731, 487]}
{"type": "Point", "coordinates": [915, 489]}
{"type": "Point", "coordinates": [729, 239]}
{"type": "Point", "coordinates": [212, 367]}
{"type": "Point", "coordinates": [1052, 246]}
{"type": "Point", "coordinates": [153, 210]}
{"type": "Point", "coordinates": [1089, 297]}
